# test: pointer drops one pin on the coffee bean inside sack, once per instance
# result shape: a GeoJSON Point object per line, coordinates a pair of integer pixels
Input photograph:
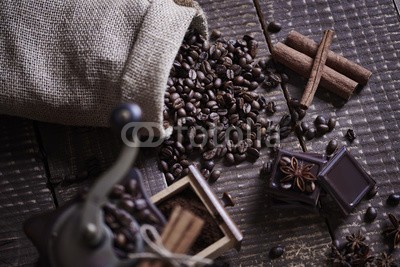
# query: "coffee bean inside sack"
{"type": "Point", "coordinates": [211, 101]}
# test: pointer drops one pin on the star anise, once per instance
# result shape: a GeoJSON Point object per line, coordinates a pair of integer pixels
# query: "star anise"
{"type": "Point", "coordinates": [394, 230]}
{"type": "Point", "coordinates": [298, 174]}
{"type": "Point", "coordinates": [385, 260]}
{"type": "Point", "coordinates": [355, 242]}
{"type": "Point", "coordinates": [363, 258]}
{"type": "Point", "coordinates": [339, 258]}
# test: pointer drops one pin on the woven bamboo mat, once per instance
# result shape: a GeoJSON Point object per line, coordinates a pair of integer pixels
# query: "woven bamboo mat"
{"type": "Point", "coordinates": [23, 190]}
{"type": "Point", "coordinates": [368, 33]}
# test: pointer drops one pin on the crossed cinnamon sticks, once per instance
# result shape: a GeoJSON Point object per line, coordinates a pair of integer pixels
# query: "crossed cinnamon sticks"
{"type": "Point", "coordinates": [179, 234]}
{"type": "Point", "coordinates": [335, 73]}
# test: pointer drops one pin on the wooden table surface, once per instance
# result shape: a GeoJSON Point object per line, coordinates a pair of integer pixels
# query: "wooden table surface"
{"type": "Point", "coordinates": [43, 165]}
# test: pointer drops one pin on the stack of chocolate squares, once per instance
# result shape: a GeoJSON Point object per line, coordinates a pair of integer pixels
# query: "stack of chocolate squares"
{"type": "Point", "coordinates": [302, 179]}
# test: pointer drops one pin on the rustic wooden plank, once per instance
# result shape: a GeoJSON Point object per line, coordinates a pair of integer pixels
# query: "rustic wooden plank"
{"type": "Point", "coordinates": [78, 155]}
{"type": "Point", "coordinates": [23, 193]}
{"type": "Point", "coordinates": [368, 33]}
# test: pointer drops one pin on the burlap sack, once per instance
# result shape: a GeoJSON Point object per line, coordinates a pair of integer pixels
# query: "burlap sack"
{"type": "Point", "coordinates": [72, 61]}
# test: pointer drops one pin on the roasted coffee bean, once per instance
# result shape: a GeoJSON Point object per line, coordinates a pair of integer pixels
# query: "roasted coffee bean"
{"type": "Point", "coordinates": [140, 204]}
{"type": "Point", "coordinates": [185, 172]}
{"type": "Point", "coordinates": [301, 112]}
{"type": "Point", "coordinates": [209, 164]}
{"type": "Point", "coordinates": [393, 199]}
{"type": "Point", "coordinates": [239, 158]}
{"type": "Point", "coordinates": [230, 74]}
{"type": "Point", "coordinates": [227, 200]}
{"type": "Point", "coordinates": [372, 193]}
{"type": "Point", "coordinates": [276, 252]}
{"type": "Point", "coordinates": [210, 154]}
{"type": "Point", "coordinates": [181, 112]}
{"type": "Point", "coordinates": [246, 108]}
{"type": "Point", "coordinates": [127, 205]}
{"type": "Point", "coordinates": [270, 108]}
{"type": "Point", "coordinates": [274, 27]}
{"type": "Point", "coordinates": [176, 170]}
{"type": "Point", "coordinates": [214, 117]}
{"type": "Point", "coordinates": [230, 146]}
{"type": "Point", "coordinates": [253, 153]}
{"type": "Point", "coordinates": [285, 121]}
{"type": "Point", "coordinates": [350, 135]}
{"type": "Point", "coordinates": [120, 240]}
{"type": "Point", "coordinates": [214, 176]}
{"type": "Point", "coordinates": [310, 134]}
{"type": "Point", "coordinates": [180, 147]}
{"type": "Point", "coordinates": [331, 147]}
{"type": "Point", "coordinates": [215, 34]}
{"type": "Point", "coordinates": [285, 132]}
{"type": "Point", "coordinates": [178, 103]}
{"type": "Point", "coordinates": [185, 163]}
{"type": "Point", "coordinates": [322, 129]}
{"type": "Point", "coordinates": [248, 76]}
{"type": "Point", "coordinates": [242, 146]}
{"type": "Point", "coordinates": [275, 79]}
{"type": "Point", "coordinates": [169, 178]}
{"type": "Point", "coordinates": [117, 191]}
{"type": "Point", "coordinates": [235, 137]}
{"type": "Point", "coordinates": [305, 127]}
{"type": "Point", "coordinates": [370, 214]}
{"type": "Point", "coordinates": [229, 158]}
{"type": "Point", "coordinates": [295, 116]}
{"type": "Point", "coordinates": [331, 124]}
{"type": "Point", "coordinates": [164, 166]}
{"type": "Point", "coordinates": [132, 187]}
{"type": "Point", "coordinates": [221, 151]}
{"type": "Point", "coordinates": [262, 63]}
{"type": "Point", "coordinates": [320, 120]}
{"type": "Point", "coordinates": [166, 152]}
{"type": "Point", "coordinates": [200, 138]}
{"type": "Point", "coordinates": [298, 129]}
{"type": "Point", "coordinates": [205, 173]}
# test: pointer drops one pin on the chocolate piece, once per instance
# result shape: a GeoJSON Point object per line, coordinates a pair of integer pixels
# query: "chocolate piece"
{"type": "Point", "coordinates": [278, 192]}
{"type": "Point", "coordinates": [345, 180]}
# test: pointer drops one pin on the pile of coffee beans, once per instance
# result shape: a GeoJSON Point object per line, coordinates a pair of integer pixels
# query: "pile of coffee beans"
{"type": "Point", "coordinates": [211, 102]}
{"type": "Point", "coordinates": [127, 203]}
{"type": "Point", "coordinates": [321, 127]}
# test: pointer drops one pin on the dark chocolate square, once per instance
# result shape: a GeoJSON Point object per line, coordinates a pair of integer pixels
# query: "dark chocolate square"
{"type": "Point", "coordinates": [345, 180]}
{"type": "Point", "coordinates": [300, 197]}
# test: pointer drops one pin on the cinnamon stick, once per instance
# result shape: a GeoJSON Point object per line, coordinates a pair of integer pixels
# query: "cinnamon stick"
{"type": "Point", "coordinates": [179, 234]}
{"type": "Point", "coordinates": [317, 68]}
{"type": "Point", "coordinates": [302, 64]}
{"type": "Point", "coordinates": [342, 65]}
